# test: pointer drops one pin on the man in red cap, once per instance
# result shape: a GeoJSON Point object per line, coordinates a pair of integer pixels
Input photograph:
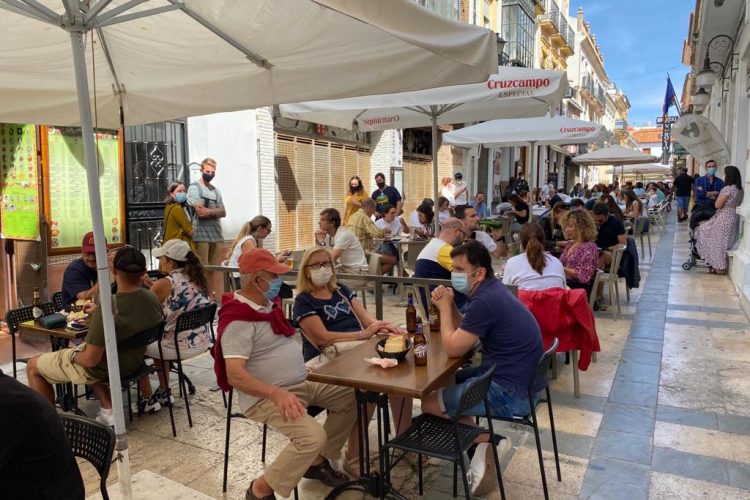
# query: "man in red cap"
{"type": "Point", "coordinates": [257, 355]}
{"type": "Point", "coordinates": [79, 280]}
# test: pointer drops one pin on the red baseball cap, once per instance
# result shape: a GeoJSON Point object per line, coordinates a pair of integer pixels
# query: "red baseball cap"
{"type": "Point", "coordinates": [87, 245]}
{"type": "Point", "coordinates": [258, 259]}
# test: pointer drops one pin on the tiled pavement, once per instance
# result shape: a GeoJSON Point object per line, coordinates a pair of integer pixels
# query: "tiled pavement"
{"type": "Point", "coordinates": [664, 413]}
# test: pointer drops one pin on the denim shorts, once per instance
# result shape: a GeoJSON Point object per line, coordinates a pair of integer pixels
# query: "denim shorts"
{"type": "Point", "coordinates": [683, 202]}
{"type": "Point", "coordinates": [503, 403]}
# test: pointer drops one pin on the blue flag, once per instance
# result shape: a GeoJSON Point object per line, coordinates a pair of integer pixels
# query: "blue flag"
{"type": "Point", "coordinates": [670, 98]}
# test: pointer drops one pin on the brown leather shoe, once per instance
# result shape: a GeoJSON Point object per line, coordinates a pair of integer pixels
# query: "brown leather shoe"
{"type": "Point", "coordinates": [324, 473]}
{"type": "Point", "coordinates": [249, 495]}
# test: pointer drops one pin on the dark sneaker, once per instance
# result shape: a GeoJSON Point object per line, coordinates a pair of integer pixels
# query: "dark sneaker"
{"type": "Point", "coordinates": [324, 473]}
{"type": "Point", "coordinates": [150, 405]}
{"type": "Point", "coordinates": [249, 495]}
{"type": "Point", "coordinates": [162, 394]}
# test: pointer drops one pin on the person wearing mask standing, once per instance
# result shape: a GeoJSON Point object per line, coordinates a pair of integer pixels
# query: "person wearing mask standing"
{"type": "Point", "coordinates": [707, 188]}
{"type": "Point", "coordinates": [385, 196]}
{"type": "Point", "coordinates": [354, 197]}
{"type": "Point", "coordinates": [460, 192]}
{"type": "Point", "coordinates": [178, 216]}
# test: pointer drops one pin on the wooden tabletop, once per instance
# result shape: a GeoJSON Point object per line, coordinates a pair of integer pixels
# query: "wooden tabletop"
{"type": "Point", "coordinates": [32, 327]}
{"type": "Point", "coordinates": [406, 379]}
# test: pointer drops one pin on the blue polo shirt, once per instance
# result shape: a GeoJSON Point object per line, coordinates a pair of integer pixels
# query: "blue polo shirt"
{"type": "Point", "coordinates": [77, 278]}
{"type": "Point", "coordinates": [509, 333]}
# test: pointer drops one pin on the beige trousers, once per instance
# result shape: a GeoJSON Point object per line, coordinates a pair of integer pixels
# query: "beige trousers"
{"type": "Point", "coordinates": [307, 438]}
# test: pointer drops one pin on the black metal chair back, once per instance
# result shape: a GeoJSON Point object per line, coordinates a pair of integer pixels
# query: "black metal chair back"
{"type": "Point", "coordinates": [15, 317]}
{"type": "Point", "coordinates": [475, 392]}
{"type": "Point", "coordinates": [91, 441]}
{"type": "Point", "coordinates": [543, 366]}
{"type": "Point", "coordinates": [142, 338]}
{"type": "Point", "coordinates": [57, 300]}
{"type": "Point", "coordinates": [190, 320]}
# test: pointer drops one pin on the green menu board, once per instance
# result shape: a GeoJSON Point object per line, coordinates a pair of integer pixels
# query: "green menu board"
{"type": "Point", "coordinates": [19, 211]}
{"type": "Point", "coordinates": [68, 199]}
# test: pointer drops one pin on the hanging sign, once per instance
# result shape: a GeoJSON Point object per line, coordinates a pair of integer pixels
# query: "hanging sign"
{"type": "Point", "coordinates": [19, 209]}
{"type": "Point", "coordinates": [702, 139]}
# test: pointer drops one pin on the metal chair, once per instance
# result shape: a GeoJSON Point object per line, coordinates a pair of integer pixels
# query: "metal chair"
{"type": "Point", "coordinates": [375, 269]}
{"type": "Point", "coordinates": [230, 416]}
{"type": "Point", "coordinates": [15, 317]}
{"type": "Point", "coordinates": [92, 441]}
{"type": "Point", "coordinates": [612, 280]}
{"type": "Point", "coordinates": [446, 439]}
{"type": "Point", "coordinates": [57, 300]}
{"type": "Point", "coordinates": [530, 420]}
{"type": "Point", "coordinates": [187, 321]}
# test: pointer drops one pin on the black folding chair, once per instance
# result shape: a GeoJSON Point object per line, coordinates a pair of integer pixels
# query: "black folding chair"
{"type": "Point", "coordinates": [92, 441]}
{"type": "Point", "coordinates": [539, 379]}
{"type": "Point", "coordinates": [15, 317]}
{"type": "Point", "coordinates": [445, 438]}
{"type": "Point", "coordinates": [57, 300]}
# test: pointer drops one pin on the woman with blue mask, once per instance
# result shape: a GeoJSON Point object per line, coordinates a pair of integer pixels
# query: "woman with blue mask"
{"type": "Point", "coordinates": [178, 216]}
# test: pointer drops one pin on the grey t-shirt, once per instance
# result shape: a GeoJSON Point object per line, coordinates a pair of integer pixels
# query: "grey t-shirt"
{"type": "Point", "coordinates": [274, 359]}
{"type": "Point", "coordinates": [206, 229]}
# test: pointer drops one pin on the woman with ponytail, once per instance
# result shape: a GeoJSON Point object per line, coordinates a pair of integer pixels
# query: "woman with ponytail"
{"type": "Point", "coordinates": [534, 269]}
{"type": "Point", "coordinates": [183, 289]}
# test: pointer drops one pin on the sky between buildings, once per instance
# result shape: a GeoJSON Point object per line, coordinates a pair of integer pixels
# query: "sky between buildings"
{"type": "Point", "coordinates": [641, 41]}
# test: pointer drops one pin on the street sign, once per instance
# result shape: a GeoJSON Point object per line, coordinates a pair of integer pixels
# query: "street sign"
{"type": "Point", "coordinates": [670, 120]}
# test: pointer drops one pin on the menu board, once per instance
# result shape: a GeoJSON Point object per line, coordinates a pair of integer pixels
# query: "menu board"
{"type": "Point", "coordinates": [19, 209]}
{"type": "Point", "coordinates": [68, 194]}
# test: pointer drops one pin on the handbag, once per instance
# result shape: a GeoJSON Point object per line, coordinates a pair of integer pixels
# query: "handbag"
{"type": "Point", "coordinates": [51, 321]}
{"type": "Point", "coordinates": [333, 351]}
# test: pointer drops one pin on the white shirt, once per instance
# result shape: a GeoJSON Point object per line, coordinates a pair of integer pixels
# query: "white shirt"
{"type": "Point", "coordinates": [237, 251]}
{"type": "Point", "coordinates": [444, 215]}
{"type": "Point", "coordinates": [486, 240]}
{"type": "Point", "coordinates": [414, 219]}
{"type": "Point", "coordinates": [447, 192]}
{"type": "Point", "coordinates": [394, 226]}
{"type": "Point", "coordinates": [353, 256]}
{"type": "Point", "coordinates": [519, 272]}
{"type": "Point", "coordinates": [463, 198]}
{"type": "Point", "coordinates": [545, 190]}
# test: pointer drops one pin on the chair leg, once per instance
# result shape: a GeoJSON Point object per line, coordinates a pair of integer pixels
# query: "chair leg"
{"type": "Point", "coordinates": [576, 384]}
{"type": "Point", "coordinates": [183, 387]}
{"type": "Point", "coordinates": [263, 445]}
{"type": "Point", "coordinates": [554, 436]}
{"type": "Point", "coordinates": [612, 299]}
{"type": "Point", "coordinates": [455, 479]}
{"type": "Point", "coordinates": [296, 493]}
{"type": "Point", "coordinates": [539, 450]}
{"type": "Point", "coordinates": [384, 471]}
{"type": "Point", "coordinates": [103, 489]}
{"type": "Point", "coordinates": [616, 286]}
{"type": "Point", "coordinates": [419, 472]}
{"type": "Point", "coordinates": [130, 403]}
{"type": "Point", "coordinates": [494, 454]}
{"type": "Point", "coordinates": [13, 347]}
{"type": "Point", "coordinates": [464, 477]}
{"type": "Point", "coordinates": [226, 440]}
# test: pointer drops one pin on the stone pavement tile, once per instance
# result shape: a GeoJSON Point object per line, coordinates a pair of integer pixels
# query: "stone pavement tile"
{"type": "Point", "coordinates": [683, 416]}
{"type": "Point", "coordinates": [736, 424]}
{"type": "Point", "coordinates": [645, 345]}
{"type": "Point", "coordinates": [585, 402]}
{"type": "Point", "coordinates": [672, 487]}
{"type": "Point", "coordinates": [705, 323]}
{"type": "Point", "coordinates": [570, 420]}
{"type": "Point", "coordinates": [524, 469]}
{"type": "Point", "coordinates": [634, 356]}
{"type": "Point", "coordinates": [689, 465]}
{"type": "Point", "coordinates": [628, 418]}
{"type": "Point", "coordinates": [149, 486]}
{"type": "Point", "coordinates": [608, 478]}
{"type": "Point", "coordinates": [595, 381]}
{"type": "Point", "coordinates": [633, 393]}
{"type": "Point", "coordinates": [721, 316]}
{"type": "Point", "coordinates": [638, 372]}
{"type": "Point", "coordinates": [647, 332]}
{"type": "Point", "coordinates": [739, 476]}
{"type": "Point", "coordinates": [623, 446]}
{"type": "Point", "coordinates": [700, 441]}
{"type": "Point", "coordinates": [573, 445]}
{"type": "Point", "coordinates": [519, 491]}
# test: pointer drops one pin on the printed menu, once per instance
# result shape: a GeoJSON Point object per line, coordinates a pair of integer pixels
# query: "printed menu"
{"type": "Point", "coordinates": [19, 208]}
{"type": "Point", "coordinates": [69, 211]}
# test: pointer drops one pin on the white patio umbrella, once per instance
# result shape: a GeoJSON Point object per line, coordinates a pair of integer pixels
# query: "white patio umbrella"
{"type": "Point", "coordinates": [614, 155]}
{"type": "Point", "coordinates": [645, 168]}
{"type": "Point", "coordinates": [511, 93]}
{"type": "Point", "coordinates": [542, 131]}
{"type": "Point", "coordinates": [164, 59]}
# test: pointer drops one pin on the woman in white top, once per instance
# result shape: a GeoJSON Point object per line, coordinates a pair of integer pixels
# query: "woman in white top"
{"type": "Point", "coordinates": [444, 209]}
{"type": "Point", "coordinates": [534, 269]}
{"type": "Point", "coordinates": [250, 236]}
{"type": "Point", "coordinates": [447, 190]}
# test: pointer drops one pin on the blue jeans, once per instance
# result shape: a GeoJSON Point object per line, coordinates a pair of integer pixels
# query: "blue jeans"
{"type": "Point", "coordinates": [683, 202]}
{"type": "Point", "coordinates": [503, 402]}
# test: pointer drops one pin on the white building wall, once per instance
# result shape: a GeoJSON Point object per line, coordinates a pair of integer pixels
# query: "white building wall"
{"type": "Point", "coordinates": [266, 151]}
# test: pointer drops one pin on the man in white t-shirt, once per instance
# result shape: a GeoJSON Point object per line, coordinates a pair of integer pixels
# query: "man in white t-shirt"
{"type": "Point", "coordinates": [347, 250]}
{"type": "Point", "coordinates": [469, 217]}
{"type": "Point", "coordinates": [460, 191]}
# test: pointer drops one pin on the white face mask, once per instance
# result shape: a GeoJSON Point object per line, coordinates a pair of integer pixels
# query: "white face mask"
{"type": "Point", "coordinates": [321, 276]}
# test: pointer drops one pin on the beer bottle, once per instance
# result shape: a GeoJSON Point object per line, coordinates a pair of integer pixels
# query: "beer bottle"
{"type": "Point", "coordinates": [434, 318]}
{"type": "Point", "coordinates": [420, 345]}
{"type": "Point", "coordinates": [411, 315]}
{"type": "Point", "coordinates": [36, 311]}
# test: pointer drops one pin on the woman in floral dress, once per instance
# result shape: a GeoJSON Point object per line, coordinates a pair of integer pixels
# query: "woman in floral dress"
{"type": "Point", "coordinates": [719, 233]}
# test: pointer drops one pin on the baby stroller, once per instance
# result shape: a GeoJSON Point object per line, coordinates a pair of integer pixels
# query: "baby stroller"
{"type": "Point", "coordinates": [699, 214]}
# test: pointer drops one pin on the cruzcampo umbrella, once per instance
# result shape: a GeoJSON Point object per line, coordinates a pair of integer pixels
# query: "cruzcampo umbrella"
{"type": "Point", "coordinates": [139, 61]}
{"type": "Point", "coordinates": [614, 155]}
{"type": "Point", "coordinates": [511, 93]}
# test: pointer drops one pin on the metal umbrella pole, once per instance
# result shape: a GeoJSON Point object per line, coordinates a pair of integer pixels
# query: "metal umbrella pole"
{"type": "Point", "coordinates": [77, 39]}
{"type": "Point", "coordinates": [435, 192]}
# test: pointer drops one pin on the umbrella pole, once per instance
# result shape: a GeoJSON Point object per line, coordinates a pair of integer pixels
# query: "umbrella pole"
{"type": "Point", "coordinates": [435, 192]}
{"type": "Point", "coordinates": [102, 264]}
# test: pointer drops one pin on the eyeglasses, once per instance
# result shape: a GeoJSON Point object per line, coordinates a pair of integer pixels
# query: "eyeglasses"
{"type": "Point", "coordinates": [268, 229]}
{"type": "Point", "coordinates": [318, 265]}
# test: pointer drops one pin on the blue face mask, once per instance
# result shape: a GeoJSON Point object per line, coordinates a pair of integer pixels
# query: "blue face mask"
{"type": "Point", "coordinates": [273, 288]}
{"type": "Point", "coordinates": [180, 197]}
{"type": "Point", "coordinates": [460, 282]}
{"type": "Point", "coordinates": [711, 171]}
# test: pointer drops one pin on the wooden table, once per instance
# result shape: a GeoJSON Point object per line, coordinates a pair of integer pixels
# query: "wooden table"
{"type": "Point", "coordinates": [59, 339]}
{"type": "Point", "coordinates": [373, 384]}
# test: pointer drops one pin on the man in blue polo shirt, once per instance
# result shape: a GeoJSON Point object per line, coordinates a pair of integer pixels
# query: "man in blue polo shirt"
{"type": "Point", "coordinates": [707, 188]}
{"type": "Point", "coordinates": [510, 338]}
{"type": "Point", "coordinates": [79, 279]}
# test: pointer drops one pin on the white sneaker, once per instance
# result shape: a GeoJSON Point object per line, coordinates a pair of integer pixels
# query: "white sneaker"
{"type": "Point", "coordinates": [483, 472]}
{"type": "Point", "coordinates": [106, 419]}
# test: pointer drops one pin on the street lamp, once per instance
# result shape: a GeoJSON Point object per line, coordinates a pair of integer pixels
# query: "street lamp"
{"type": "Point", "coordinates": [706, 78]}
{"type": "Point", "coordinates": [700, 99]}
{"type": "Point", "coordinates": [500, 49]}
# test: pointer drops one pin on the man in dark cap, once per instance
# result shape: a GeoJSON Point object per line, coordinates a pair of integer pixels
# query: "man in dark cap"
{"type": "Point", "coordinates": [135, 309]}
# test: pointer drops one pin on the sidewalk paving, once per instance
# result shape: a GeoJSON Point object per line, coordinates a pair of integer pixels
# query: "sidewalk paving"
{"type": "Point", "coordinates": [664, 413]}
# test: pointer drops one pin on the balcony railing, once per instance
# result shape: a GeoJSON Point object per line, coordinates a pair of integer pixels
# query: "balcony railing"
{"type": "Point", "coordinates": [588, 84]}
{"type": "Point", "coordinates": [621, 124]}
{"type": "Point", "coordinates": [560, 24]}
